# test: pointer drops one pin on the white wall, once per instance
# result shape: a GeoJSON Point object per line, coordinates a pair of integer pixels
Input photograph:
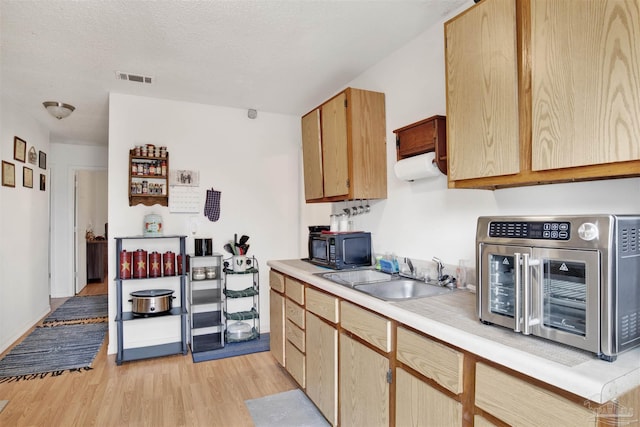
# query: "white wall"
{"type": "Point", "coordinates": [24, 236]}
{"type": "Point", "coordinates": [423, 219]}
{"type": "Point", "coordinates": [254, 163]}
{"type": "Point", "coordinates": [66, 160]}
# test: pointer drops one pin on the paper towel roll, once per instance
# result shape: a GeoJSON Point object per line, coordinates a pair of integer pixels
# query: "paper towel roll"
{"type": "Point", "coordinates": [417, 167]}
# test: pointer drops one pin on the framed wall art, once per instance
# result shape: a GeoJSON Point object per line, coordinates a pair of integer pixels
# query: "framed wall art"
{"type": "Point", "coordinates": [27, 177]}
{"type": "Point", "coordinates": [33, 156]}
{"type": "Point", "coordinates": [8, 174]}
{"type": "Point", "coordinates": [19, 149]}
{"type": "Point", "coordinates": [43, 160]}
{"type": "Point", "coordinates": [43, 182]}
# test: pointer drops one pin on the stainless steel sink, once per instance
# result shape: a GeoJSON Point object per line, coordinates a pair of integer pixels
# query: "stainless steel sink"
{"type": "Point", "coordinates": [402, 289]}
{"type": "Point", "coordinates": [385, 286]}
{"type": "Point", "coordinates": [356, 277]}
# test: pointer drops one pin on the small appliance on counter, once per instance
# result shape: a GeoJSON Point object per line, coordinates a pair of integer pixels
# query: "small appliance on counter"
{"type": "Point", "coordinates": [574, 280]}
{"type": "Point", "coordinates": [340, 250]}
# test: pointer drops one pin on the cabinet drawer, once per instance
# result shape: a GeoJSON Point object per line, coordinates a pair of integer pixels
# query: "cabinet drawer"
{"type": "Point", "coordinates": [433, 360]}
{"type": "Point", "coordinates": [295, 363]}
{"type": "Point", "coordinates": [295, 313]}
{"type": "Point", "coordinates": [294, 290]}
{"type": "Point", "coordinates": [519, 403]}
{"type": "Point", "coordinates": [295, 335]}
{"type": "Point", "coordinates": [276, 281]}
{"type": "Point", "coordinates": [325, 306]}
{"type": "Point", "coordinates": [374, 329]}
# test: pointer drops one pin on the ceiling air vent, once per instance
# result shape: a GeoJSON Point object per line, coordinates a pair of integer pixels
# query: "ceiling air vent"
{"type": "Point", "coordinates": [134, 77]}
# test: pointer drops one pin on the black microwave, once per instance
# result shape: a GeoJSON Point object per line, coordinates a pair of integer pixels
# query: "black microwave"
{"type": "Point", "coordinates": [340, 250]}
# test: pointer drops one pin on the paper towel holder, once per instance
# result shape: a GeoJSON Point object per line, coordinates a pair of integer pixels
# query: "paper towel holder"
{"type": "Point", "coordinates": [423, 137]}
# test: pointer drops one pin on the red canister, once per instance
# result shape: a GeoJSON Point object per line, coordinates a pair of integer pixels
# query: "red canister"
{"type": "Point", "coordinates": [169, 263]}
{"type": "Point", "coordinates": [155, 264]}
{"type": "Point", "coordinates": [140, 264]}
{"type": "Point", "coordinates": [179, 264]}
{"type": "Point", "coordinates": [126, 261]}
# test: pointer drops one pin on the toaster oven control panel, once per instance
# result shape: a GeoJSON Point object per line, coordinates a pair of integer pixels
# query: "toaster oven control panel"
{"type": "Point", "coordinates": [547, 230]}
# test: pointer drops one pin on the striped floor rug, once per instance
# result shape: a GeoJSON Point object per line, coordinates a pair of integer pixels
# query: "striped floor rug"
{"type": "Point", "coordinates": [53, 350]}
{"type": "Point", "coordinates": [94, 308]}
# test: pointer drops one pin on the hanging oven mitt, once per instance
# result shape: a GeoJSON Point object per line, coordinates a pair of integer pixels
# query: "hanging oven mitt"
{"type": "Point", "coordinates": [212, 205]}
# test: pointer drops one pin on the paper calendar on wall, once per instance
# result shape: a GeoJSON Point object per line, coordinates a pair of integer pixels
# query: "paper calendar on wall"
{"type": "Point", "coordinates": [184, 199]}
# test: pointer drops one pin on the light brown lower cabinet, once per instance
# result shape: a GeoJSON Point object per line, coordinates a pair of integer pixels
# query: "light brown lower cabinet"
{"type": "Point", "coordinates": [338, 350]}
{"type": "Point", "coordinates": [364, 390]}
{"type": "Point", "coordinates": [295, 340]}
{"type": "Point", "coordinates": [517, 402]}
{"type": "Point", "coordinates": [479, 421]}
{"type": "Point", "coordinates": [295, 363]}
{"type": "Point", "coordinates": [276, 317]}
{"type": "Point", "coordinates": [431, 359]}
{"type": "Point", "coordinates": [322, 366]}
{"type": "Point", "coordinates": [419, 404]}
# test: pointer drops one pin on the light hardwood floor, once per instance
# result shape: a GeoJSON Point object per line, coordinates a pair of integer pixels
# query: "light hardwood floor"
{"type": "Point", "coordinates": [166, 391]}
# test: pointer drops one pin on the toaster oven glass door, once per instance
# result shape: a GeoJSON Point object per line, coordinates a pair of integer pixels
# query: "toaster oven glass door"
{"type": "Point", "coordinates": [501, 289]}
{"type": "Point", "coordinates": [566, 287]}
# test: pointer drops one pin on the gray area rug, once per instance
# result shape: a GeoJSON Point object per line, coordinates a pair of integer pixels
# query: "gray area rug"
{"type": "Point", "coordinates": [289, 409]}
{"type": "Point", "coordinates": [80, 309]}
{"type": "Point", "coordinates": [3, 404]}
{"type": "Point", "coordinates": [52, 350]}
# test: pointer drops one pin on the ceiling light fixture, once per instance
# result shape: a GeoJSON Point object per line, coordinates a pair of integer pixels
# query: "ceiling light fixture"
{"type": "Point", "coordinates": [59, 110]}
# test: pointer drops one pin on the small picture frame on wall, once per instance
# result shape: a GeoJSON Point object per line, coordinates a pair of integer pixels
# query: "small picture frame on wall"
{"type": "Point", "coordinates": [43, 160]}
{"type": "Point", "coordinates": [43, 182]}
{"type": "Point", "coordinates": [33, 156]}
{"type": "Point", "coordinates": [19, 149]}
{"type": "Point", "coordinates": [27, 177]}
{"type": "Point", "coordinates": [8, 174]}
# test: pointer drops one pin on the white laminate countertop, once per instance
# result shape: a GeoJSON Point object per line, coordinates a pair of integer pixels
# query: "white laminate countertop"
{"type": "Point", "coordinates": [452, 319]}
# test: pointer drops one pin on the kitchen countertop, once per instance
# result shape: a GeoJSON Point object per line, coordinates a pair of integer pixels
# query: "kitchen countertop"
{"type": "Point", "coordinates": [452, 319]}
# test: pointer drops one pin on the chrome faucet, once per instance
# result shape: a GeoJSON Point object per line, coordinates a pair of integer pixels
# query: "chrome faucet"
{"type": "Point", "coordinates": [440, 267]}
{"type": "Point", "coordinates": [410, 265]}
{"type": "Point", "coordinates": [443, 279]}
{"type": "Point", "coordinates": [412, 270]}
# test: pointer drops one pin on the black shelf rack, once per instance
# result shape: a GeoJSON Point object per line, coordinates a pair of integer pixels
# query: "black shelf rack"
{"type": "Point", "coordinates": [147, 352]}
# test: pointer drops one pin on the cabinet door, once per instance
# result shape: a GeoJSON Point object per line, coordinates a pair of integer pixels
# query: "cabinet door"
{"type": "Point", "coordinates": [482, 91]}
{"type": "Point", "coordinates": [334, 146]}
{"type": "Point", "coordinates": [312, 156]}
{"type": "Point", "coordinates": [586, 82]}
{"type": "Point", "coordinates": [418, 404]}
{"type": "Point", "coordinates": [364, 391]}
{"type": "Point", "coordinates": [276, 317]}
{"type": "Point", "coordinates": [322, 366]}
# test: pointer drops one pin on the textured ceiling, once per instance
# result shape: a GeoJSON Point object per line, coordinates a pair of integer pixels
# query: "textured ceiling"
{"type": "Point", "coordinates": [270, 55]}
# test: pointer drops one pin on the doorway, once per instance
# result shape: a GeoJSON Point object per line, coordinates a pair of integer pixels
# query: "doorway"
{"type": "Point", "coordinates": [90, 231]}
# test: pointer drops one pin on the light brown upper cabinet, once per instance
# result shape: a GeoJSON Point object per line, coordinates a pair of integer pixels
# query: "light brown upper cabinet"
{"type": "Point", "coordinates": [542, 91]}
{"type": "Point", "coordinates": [344, 148]}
